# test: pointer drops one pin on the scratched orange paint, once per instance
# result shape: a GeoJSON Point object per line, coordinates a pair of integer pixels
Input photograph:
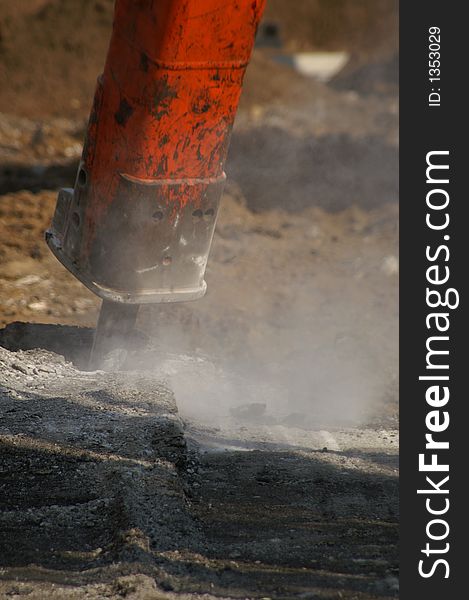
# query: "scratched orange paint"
{"type": "Point", "coordinates": [166, 102]}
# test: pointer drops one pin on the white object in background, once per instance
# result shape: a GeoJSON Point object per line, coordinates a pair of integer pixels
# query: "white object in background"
{"type": "Point", "coordinates": [319, 65]}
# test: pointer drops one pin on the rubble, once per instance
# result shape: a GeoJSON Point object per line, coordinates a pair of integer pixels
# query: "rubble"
{"type": "Point", "coordinates": [90, 467]}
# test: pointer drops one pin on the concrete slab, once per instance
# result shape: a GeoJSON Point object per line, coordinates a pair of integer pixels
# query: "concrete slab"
{"type": "Point", "coordinates": [101, 496]}
{"type": "Point", "coordinates": [89, 471]}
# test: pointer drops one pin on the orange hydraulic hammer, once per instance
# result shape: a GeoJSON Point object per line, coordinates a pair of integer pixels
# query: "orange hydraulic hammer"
{"type": "Point", "coordinates": [137, 227]}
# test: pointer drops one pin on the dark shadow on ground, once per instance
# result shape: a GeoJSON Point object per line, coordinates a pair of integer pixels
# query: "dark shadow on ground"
{"type": "Point", "coordinates": [71, 342]}
{"type": "Point", "coordinates": [277, 170]}
{"type": "Point", "coordinates": [37, 177]}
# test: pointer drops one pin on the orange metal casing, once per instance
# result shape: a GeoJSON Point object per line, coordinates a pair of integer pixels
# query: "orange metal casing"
{"type": "Point", "coordinates": [139, 223]}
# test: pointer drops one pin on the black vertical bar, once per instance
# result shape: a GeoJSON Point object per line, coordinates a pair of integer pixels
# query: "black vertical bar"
{"type": "Point", "coordinates": [426, 127]}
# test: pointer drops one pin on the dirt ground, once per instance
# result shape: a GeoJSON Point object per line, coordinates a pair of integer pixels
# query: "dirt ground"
{"type": "Point", "coordinates": [280, 472]}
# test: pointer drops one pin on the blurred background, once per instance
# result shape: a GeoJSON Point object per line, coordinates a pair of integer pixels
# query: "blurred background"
{"type": "Point", "coordinates": [302, 278]}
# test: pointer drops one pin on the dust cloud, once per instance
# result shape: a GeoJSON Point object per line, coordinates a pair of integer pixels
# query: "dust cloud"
{"type": "Point", "coordinates": [308, 371]}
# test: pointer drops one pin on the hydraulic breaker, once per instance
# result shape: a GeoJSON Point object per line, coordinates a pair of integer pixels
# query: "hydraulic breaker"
{"type": "Point", "coordinates": [138, 225]}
